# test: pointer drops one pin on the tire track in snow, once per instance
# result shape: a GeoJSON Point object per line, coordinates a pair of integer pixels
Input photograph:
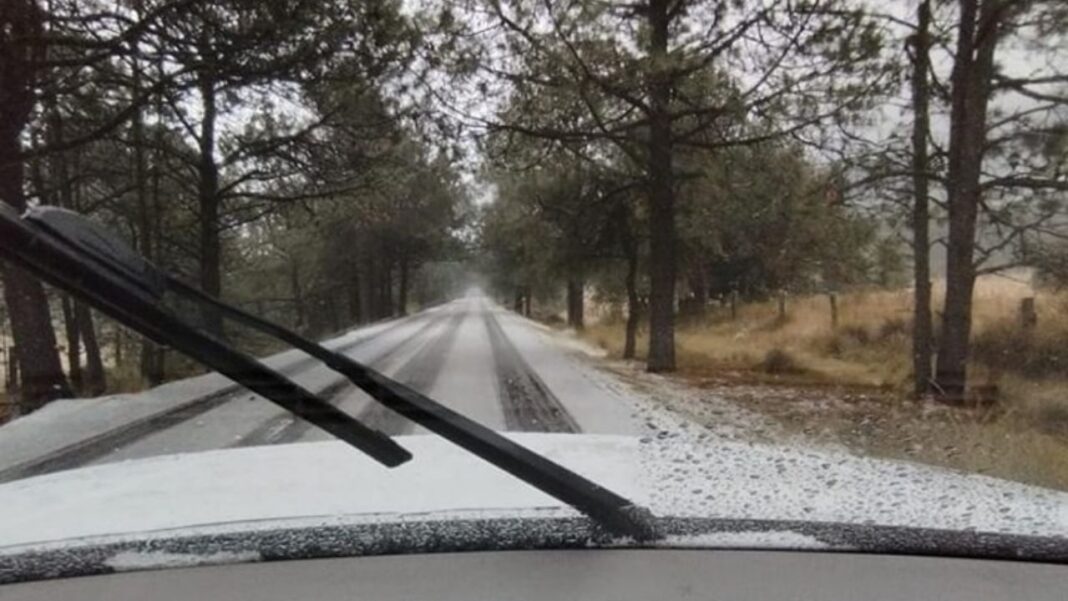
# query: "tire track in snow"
{"type": "Point", "coordinates": [527, 402]}
{"type": "Point", "coordinates": [91, 449]}
{"type": "Point", "coordinates": [286, 428]}
{"type": "Point", "coordinates": [419, 373]}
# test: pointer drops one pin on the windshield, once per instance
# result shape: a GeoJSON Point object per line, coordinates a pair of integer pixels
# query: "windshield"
{"type": "Point", "coordinates": [779, 263]}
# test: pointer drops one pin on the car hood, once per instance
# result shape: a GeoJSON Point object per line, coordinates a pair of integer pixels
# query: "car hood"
{"type": "Point", "coordinates": [323, 483]}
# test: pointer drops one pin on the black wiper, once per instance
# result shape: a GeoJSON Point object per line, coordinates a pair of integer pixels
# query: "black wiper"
{"type": "Point", "coordinates": [75, 254]}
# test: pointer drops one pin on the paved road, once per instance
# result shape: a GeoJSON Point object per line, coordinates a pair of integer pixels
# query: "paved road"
{"type": "Point", "coordinates": [501, 370]}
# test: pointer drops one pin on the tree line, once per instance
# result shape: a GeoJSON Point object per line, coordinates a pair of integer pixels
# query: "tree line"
{"type": "Point", "coordinates": [263, 151]}
{"type": "Point", "coordinates": [313, 159]}
{"type": "Point", "coordinates": [751, 146]}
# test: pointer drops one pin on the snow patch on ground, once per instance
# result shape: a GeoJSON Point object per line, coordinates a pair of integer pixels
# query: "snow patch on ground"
{"type": "Point", "coordinates": [135, 560]}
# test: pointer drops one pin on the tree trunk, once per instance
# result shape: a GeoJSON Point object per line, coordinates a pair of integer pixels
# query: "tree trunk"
{"type": "Point", "coordinates": [358, 315]}
{"type": "Point", "coordinates": [921, 248]}
{"type": "Point", "coordinates": [662, 236]}
{"type": "Point", "coordinates": [335, 317]}
{"type": "Point", "coordinates": [575, 303]}
{"type": "Point", "coordinates": [31, 321]}
{"type": "Point", "coordinates": [74, 345]}
{"type": "Point", "coordinates": [208, 197]}
{"type": "Point", "coordinates": [150, 362]}
{"type": "Point", "coordinates": [95, 382]}
{"type": "Point", "coordinates": [352, 293]}
{"type": "Point", "coordinates": [117, 342]}
{"type": "Point", "coordinates": [970, 78]}
{"type": "Point", "coordinates": [386, 301]}
{"type": "Point", "coordinates": [699, 285]}
{"type": "Point", "coordinates": [370, 298]}
{"type": "Point", "coordinates": [633, 309]}
{"type": "Point", "coordinates": [402, 287]}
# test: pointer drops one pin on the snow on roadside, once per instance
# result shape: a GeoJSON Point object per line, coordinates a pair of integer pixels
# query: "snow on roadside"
{"type": "Point", "coordinates": [597, 403]}
{"type": "Point", "coordinates": [623, 398]}
{"type": "Point", "coordinates": [69, 421]}
{"type": "Point", "coordinates": [706, 456]}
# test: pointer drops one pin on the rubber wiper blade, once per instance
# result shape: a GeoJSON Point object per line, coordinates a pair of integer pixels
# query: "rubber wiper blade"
{"type": "Point", "coordinates": [613, 512]}
{"type": "Point", "coordinates": [73, 253]}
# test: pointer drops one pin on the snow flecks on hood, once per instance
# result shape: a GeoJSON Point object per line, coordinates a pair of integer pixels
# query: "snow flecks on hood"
{"type": "Point", "coordinates": [694, 473]}
{"type": "Point", "coordinates": [145, 560]}
{"type": "Point", "coordinates": [785, 539]}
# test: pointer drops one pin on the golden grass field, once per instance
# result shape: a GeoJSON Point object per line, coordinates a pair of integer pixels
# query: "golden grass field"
{"type": "Point", "coordinates": [1023, 435]}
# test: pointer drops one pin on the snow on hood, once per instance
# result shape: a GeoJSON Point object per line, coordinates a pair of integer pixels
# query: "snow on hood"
{"type": "Point", "coordinates": [674, 476]}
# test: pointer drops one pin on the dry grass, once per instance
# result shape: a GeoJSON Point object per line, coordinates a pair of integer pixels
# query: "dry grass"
{"type": "Point", "coordinates": [870, 345]}
{"type": "Point", "coordinates": [1024, 436]}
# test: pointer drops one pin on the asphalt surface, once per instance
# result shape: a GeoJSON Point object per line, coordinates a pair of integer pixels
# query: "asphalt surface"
{"type": "Point", "coordinates": [469, 354]}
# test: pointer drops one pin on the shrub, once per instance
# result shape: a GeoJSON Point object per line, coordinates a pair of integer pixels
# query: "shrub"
{"type": "Point", "coordinates": [1035, 354]}
{"type": "Point", "coordinates": [892, 328]}
{"type": "Point", "coordinates": [778, 361]}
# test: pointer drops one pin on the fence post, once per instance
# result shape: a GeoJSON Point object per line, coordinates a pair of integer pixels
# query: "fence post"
{"type": "Point", "coordinates": [734, 304]}
{"type": "Point", "coordinates": [1028, 315]}
{"type": "Point", "coordinates": [834, 310]}
{"type": "Point", "coordinates": [782, 305]}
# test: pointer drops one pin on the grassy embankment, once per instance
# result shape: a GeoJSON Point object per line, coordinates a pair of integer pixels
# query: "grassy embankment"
{"type": "Point", "coordinates": [850, 384]}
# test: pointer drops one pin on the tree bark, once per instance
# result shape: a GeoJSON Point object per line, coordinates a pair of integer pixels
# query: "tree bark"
{"type": "Point", "coordinates": [921, 247]}
{"type": "Point", "coordinates": [402, 287]}
{"type": "Point", "coordinates": [970, 78]}
{"type": "Point", "coordinates": [352, 293]}
{"type": "Point", "coordinates": [699, 284]}
{"type": "Point", "coordinates": [370, 298]}
{"type": "Point", "coordinates": [575, 303]}
{"type": "Point", "coordinates": [150, 364]}
{"type": "Point", "coordinates": [662, 234]}
{"type": "Point", "coordinates": [633, 308]}
{"type": "Point", "coordinates": [95, 381]}
{"type": "Point", "coordinates": [28, 311]}
{"type": "Point", "coordinates": [386, 301]}
{"type": "Point", "coordinates": [208, 199]}
{"type": "Point", "coordinates": [74, 344]}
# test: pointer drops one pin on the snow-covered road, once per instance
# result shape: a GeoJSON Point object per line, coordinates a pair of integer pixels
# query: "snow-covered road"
{"type": "Point", "coordinates": [502, 370]}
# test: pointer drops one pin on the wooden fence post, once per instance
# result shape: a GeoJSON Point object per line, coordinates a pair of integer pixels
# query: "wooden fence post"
{"type": "Point", "coordinates": [782, 305]}
{"type": "Point", "coordinates": [734, 304]}
{"type": "Point", "coordinates": [1028, 315]}
{"type": "Point", "coordinates": [834, 310]}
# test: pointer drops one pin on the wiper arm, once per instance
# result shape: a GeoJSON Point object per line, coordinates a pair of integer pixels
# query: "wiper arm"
{"type": "Point", "coordinates": [72, 253]}
{"type": "Point", "coordinates": [122, 284]}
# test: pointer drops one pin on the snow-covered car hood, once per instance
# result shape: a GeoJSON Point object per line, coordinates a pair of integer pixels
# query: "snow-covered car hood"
{"type": "Point", "coordinates": [329, 483]}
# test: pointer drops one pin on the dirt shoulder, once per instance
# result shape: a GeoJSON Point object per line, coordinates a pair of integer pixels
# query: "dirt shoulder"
{"type": "Point", "coordinates": [868, 420]}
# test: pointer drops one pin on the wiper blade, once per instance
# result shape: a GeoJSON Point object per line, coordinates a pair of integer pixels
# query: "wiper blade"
{"type": "Point", "coordinates": [73, 253]}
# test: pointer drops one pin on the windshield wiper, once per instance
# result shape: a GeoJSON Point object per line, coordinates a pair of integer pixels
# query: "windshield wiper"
{"type": "Point", "coordinates": [77, 255]}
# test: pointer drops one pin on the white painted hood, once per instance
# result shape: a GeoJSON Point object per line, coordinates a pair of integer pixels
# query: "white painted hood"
{"type": "Point", "coordinates": [674, 476]}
